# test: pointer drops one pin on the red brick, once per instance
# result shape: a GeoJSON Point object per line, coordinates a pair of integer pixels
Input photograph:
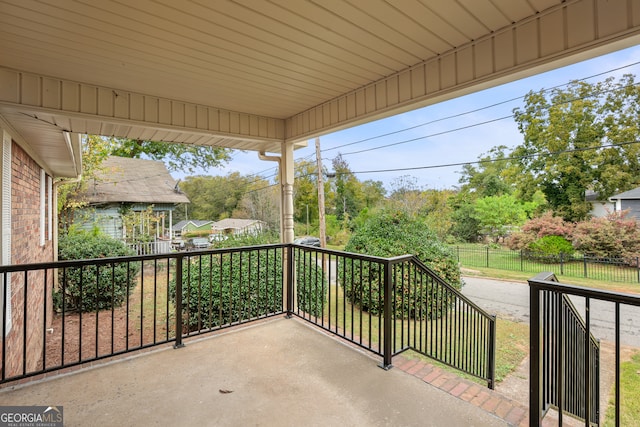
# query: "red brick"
{"type": "Point", "coordinates": [399, 361]}
{"type": "Point", "coordinates": [430, 378]}
{"type": "Point", "coordinates": [459, 389]}
{"type": "Point", "coordinates": [516, 415]}
{"type": "Point", "coordinates": [491, 404]}
{"type": "Point", "coordinates": [415, 368]}
{"type": "Point", "coordinates": [406, 366]}
{"type": "Point", "coordinates": [480, 398]}
{"type": "Point", "coordinates": [470, 393]}
{"type": "Point", "coordinates": [439, 382]}
{"type": "Point", "coordinates": [504, 407]}
{"type": "Point", "coordinates": [26, 249]}
{"type": "Point", "coordinates": [426, 369]}
{"type": "Point", "coordinates": [450, 384]}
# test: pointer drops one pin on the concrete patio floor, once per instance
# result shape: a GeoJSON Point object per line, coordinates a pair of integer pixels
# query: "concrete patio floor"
{"type": "Point", "coordinates": [279, 372]}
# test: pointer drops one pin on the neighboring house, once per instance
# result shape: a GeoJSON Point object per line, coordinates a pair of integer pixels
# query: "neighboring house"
{"type": "Point", "coordinates": [30, 170]}
{"type": "Point", "coordinates": [125, 184]}
{"type": "Point", "coordinates": [599, 207]}
{"type": "Point", "coordinates": [230, 226]}
{"type": "Point", "coordinates": [629, 200]}
{"type": "Point", "coordinates": [186, 226]}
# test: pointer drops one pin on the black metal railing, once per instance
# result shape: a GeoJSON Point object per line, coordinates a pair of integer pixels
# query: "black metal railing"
{"type": "Point", "coordinates": [63, 314]}
{"type": "Point", "coordinates": [565, 339]}
{"type": "Point", "coordinates": [69, 313]}
{"type": "Point", "coordinates": [624, 270]}
{"type": "Point", "coordinates": [564, 364]}
{"type": "Point", "coordinates": [390, 305]}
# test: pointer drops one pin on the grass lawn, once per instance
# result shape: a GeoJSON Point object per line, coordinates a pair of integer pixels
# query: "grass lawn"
{"type": "Point", "coordinates": [492, 273]}
{"type": "Point", "coordinates": [512, 337]}
{"type": "Point", "coordinates": [499, 263]}
{"type": "Point", "coordinates": [629, 392]}
{"type": "Point", "coordinates": [512, 340]}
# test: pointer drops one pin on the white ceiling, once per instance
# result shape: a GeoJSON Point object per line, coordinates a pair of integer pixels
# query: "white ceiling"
{"type": "Point", "coordinates": [275, 70]}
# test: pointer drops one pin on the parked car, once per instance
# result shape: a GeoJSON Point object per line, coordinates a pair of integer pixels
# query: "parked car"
{"type": "Point", "coordinates": [178, 244]}
{"type": "Point", "coordinates": [308, 241]}
{"type": "Point", "coordinates": [217, 237]}
{"type": "Point", "coordinates": [197, 243]}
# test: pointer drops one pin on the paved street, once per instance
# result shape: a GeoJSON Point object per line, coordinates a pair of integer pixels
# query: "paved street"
{"type": "Point", "coordinates": [510, 300]}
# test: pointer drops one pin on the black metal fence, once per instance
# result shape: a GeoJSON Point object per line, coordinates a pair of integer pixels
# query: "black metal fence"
{"type": "Point", "coordinates": [60, 315]}
{"type": "Point", "coordinates": [625, 270]}
{"type": "Point", "coordinates": [564, 363]}
{"type": "Point", "coordinates": [565, 341]}
{"type": "Point", "coordinates": [63, 314]}
{"type": "Point", "coordinates": [388, 306]}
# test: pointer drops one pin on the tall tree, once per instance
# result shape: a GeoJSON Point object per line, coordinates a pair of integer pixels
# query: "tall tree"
{"type": "Point", "coordinates": [496, 214]}
{"type": "Point", "coordinates": [349, 196]}
{"type": "Point", "coordinates": [176, 156]}
{"type": "Point", "coordinates": [487, 178]}
{"type": "Point", "coordinates": [94, 150]}
{"type": "Point", "coordinates": [584, 136]}
{"type": "Point", "coordinates": [305, 192]}
{"type": "Point", "coordinates": [406, 195]}
{"type": "Point", "coordinates": [261, 201]}
{"type": "Point", "coordinates": [214, 197]}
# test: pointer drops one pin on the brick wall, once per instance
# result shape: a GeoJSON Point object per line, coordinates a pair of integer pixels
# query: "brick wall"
{"type": "Point", "coordinates": [26, 248]}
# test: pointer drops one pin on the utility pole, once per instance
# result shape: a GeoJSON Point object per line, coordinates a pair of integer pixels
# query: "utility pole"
{"type": "Point", "coordinates": [323, 230]}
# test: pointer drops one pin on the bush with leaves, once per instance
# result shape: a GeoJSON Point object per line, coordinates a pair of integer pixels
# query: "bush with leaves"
{"type": "Point", "coordinates": [226, 287]}
{"type": "Point", "coordinates": [549, 249]}
{"type": "Point", "coordinates": [91, 288]}
{"type": "Point", "coordinates": [614, 236]}
{"type": "Point", "coordinates": [536, 228]}
{"type": "Point", "coordinates": [389, 234]}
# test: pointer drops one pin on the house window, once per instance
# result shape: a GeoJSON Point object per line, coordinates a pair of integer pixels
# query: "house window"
{"type": "Point", "coordinates": [49, 208]}
{"type": "Point", "coordinates": [43, 206]}
{"type": "Point", "coordinates": [5, 228]}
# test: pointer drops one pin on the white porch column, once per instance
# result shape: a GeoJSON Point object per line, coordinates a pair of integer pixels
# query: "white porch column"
{"type": "Point", "coordinates": [287, 176]}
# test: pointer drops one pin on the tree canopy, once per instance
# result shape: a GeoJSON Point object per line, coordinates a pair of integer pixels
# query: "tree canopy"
{"type": "Point", "coordinates": [583, 136]}
{"type": "Point", "coordinates": [176, 156]}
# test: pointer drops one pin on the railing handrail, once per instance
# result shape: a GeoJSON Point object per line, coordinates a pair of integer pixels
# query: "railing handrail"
{"type": "Point", "coordinates": [303, 291]}
{"type": "Point", "coordinates": [448, 286]}
{"type": "Point", "coordinates": [129, 258]}
{"type": "Point", "coordinates": [364, 257]}
{"type": "Point", "coordinates": [610, 296]}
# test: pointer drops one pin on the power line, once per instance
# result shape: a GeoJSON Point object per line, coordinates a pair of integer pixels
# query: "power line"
{"type": "Point", "coordinates": [477, 162]}
{"type": "Point", "coordinates": [310, 156]}
{"type": "Point", "coordinates": [428, 136]}
{"type": "Point", "coordinates": [478, 109]}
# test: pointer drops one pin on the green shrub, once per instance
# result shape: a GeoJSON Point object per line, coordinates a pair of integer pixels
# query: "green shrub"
{"type": "Point", "coordinates": [549, 249]}
{"type": "Point", "coordinates": [552, 245]}
{"type": "Point", "coordinates": [219, 289]}
{"type": "Point", "coordinates": [93, 288]}
{"type": "Point", "coordinates": [614, 236]}
{"type": "Point", "coordinates": [389, 234]}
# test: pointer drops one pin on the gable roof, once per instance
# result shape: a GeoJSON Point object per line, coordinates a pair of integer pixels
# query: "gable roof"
{"type": "Point", "coordinates": [631, 194]}
{"type": "Point", "coordinates": [197, 222]}
{"type": "Point", "coordinates": [237, 224]}
{"type": "Point", "coordinates": [122, 179]}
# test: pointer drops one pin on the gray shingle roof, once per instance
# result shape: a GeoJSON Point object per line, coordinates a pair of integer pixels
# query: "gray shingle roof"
{"type": "Point", "coordinates": [237, 224]}
{"type": "Point", "coordinates": [129, 180]}
{"type": "Point", "coordinates": [631, 194]}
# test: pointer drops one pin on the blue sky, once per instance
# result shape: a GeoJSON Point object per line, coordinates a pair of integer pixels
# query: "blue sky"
{"type": "Point", "coordinates": [452, 146]}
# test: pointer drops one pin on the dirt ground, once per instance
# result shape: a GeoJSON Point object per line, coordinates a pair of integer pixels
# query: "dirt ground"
{"type": "Point", "coordinates": [77, 337]}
